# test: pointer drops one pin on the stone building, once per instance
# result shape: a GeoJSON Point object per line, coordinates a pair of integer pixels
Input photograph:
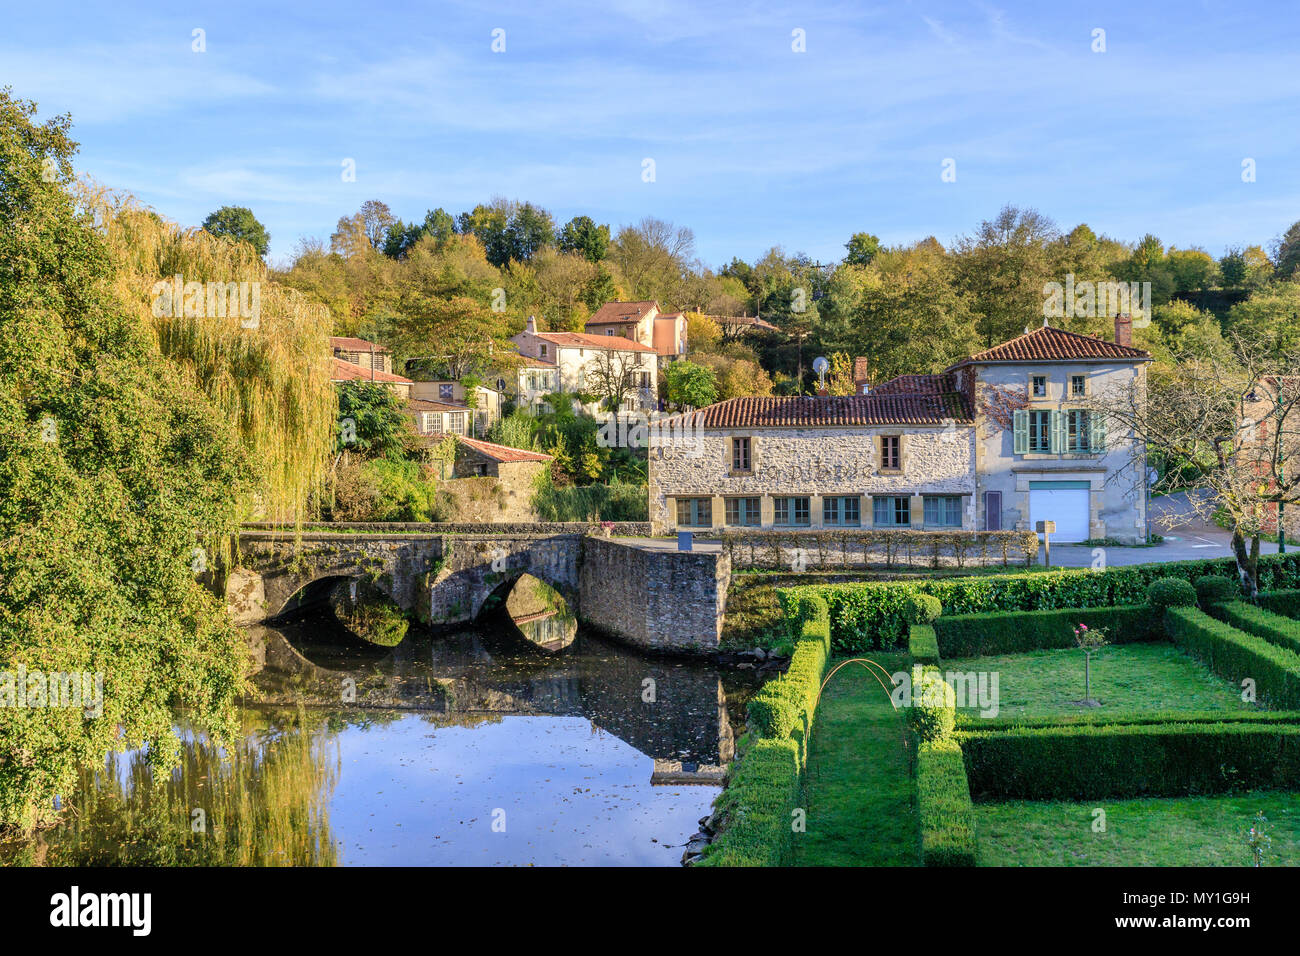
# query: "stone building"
{"type": "Point", "coordinates": [493, 483]}
{"type": "Point", "coordinates": [361, 352]}
{"type": "Point", "coordinates": [999, 441]}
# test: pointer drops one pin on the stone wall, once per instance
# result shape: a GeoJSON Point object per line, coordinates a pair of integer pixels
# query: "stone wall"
{"type": "Point", "coordinates": [620, 529]}
{"type": "Point", "coordinates": [812, 462]}
{"type": "Point", "coordinates": [654, 599]}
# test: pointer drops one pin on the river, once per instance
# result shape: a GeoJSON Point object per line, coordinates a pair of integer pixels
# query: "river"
{"type": "Point", "coordinates": [481, 747]}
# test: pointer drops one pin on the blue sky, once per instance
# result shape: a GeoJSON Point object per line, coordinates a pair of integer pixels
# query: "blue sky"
{"type": "Point", "coordinates": [754, 144]}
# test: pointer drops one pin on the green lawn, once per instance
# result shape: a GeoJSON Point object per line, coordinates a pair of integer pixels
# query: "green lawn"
{"type": "Point", "coordinates": [859, 793]}
{"type": "Point", "coordinates": [1125, 678]}
{"type": "Point", "coordinates": [1192, 831]}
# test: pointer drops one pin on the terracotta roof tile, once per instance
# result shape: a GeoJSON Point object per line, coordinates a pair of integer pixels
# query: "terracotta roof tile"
{"type": "Point", "coordinates": [581, 340]}
{"type": "Point", "coordinates": [877, 408]}
{"type": "Point", "coordinates": [502, 453]}
{"type": "Point", "coordinates": [345, 344]}
{"type": "Point", "coordinates": [1048, 344]}
{"type": "Point", "coordinates": [348, 372]}
{"type": "Point", "coordinates": [621, 312]}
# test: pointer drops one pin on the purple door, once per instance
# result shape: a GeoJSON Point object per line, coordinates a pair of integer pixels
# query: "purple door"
{"type": "Point", "coordinates": [992, 511]}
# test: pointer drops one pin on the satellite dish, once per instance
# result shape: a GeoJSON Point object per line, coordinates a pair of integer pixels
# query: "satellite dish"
{"type": "Point", "coordinates": [820, 365]}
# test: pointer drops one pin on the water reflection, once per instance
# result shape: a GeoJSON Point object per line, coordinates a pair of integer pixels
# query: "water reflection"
{"type": "Point", "coordinates": [478, 748]}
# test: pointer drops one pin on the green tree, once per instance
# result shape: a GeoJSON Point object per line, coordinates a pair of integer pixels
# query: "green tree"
{"type": "Point", "coordinates": [239, 223]}
{"type": "Point", "coordinates": [371, 422]}
{"type": "Point", "coordinates": [110, 470]}
{"type": "Point", "coordinates": [1288, 252]}
{"type": "Point", "coordinates": [862, 248]}
{"type": "Point", "coordinates": [581, 235]}
{"type": "Point", "coordinates": [691, 384]}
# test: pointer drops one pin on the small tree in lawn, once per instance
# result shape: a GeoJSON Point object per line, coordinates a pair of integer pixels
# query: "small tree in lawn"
{"type": "Point", "coordinates": [1257, 838]}
{"type": "Point", "coordinates": [1089, 639]}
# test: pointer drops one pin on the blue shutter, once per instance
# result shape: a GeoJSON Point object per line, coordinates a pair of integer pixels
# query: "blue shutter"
{"type": "Point", "coordinates": [1020, 431]}
{"type": "Point", "coordinates": [1096, 431]}
{"type": "Point", "coordinates": [1060, 436]}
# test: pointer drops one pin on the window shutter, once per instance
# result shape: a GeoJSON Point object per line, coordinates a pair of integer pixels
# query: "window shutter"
{"type": "Point", "coordinates": [1020, 431]}
{"type": "Point", "coordinates": [1060, 437]}
{"type": "Point", "coordinates": [1096, 431]}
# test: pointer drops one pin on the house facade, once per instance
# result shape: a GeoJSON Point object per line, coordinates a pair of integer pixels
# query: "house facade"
{"type": "Point", "coordinates": [644, 323]}
{"type": "Point", "coordinates": [579, 357]}
{"type": "Point", "coordinates": [487, 400]}
{"type": "Point", "coordinates": [351, 372]}
{"type": "Point", "coordinates": [361, 352]}
{"type": "Point", "coordinates": [998, 441]}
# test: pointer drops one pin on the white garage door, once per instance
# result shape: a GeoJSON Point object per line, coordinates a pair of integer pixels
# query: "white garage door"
{"type": "Point", "coordinates": [1066, 503]}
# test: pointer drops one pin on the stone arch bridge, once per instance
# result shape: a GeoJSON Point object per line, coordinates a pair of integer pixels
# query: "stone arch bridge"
{"type": "Point", "coordinates": [441, 579]}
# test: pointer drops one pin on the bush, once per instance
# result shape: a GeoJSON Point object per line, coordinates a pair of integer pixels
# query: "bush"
{"type": "Point", "coordinates": [944, 809]}
{"type": "Point", "coordinates": [933, 710]}
{"type": "Point", "coordinates": [762, 790]}
{"type": "Point", "coordinates": [1211, 589]}
{"type": "Point", "coordinates": [922, 644]}
{"type": "Point", "coordinates": [1235, 655]}
{"type": "Point", "coordinates": [614, 502]}
{"type": "Point", "coordinates": [1171, 592]}
{"type": "Point", "coordinates": [1286, 603]}
{"type": "Point", "coordinates": [1013, 632]}
{"type": "Point", "coordinates": [384, 489]}
{"type": "Point", "coordinates": [1122, 761]}
{"type": "Point", "coordinates": [1274, 628]}
{"type": "Point", "coordinates": [874, 615]}
{"type": "Point", "coordinates": [925, 608]}
{"type": "Point", "coordinates": [786, 706]}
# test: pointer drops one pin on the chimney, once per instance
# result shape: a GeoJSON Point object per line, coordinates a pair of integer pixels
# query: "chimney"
{"type": "Point", "coordinates": [823, 391]}
{"type": "Point", "coordinates": [531, 324]}
{"type": "Point", "coordinates": [861, 374]}
{"type": "Point", "coordinates": [1124, 329]}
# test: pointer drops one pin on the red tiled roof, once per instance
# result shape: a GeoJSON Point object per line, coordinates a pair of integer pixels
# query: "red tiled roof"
{"type": "Point", "coordinates": [746, 321]}
{"type": "Point", "coordinates": [424, 405]}
{"type": "Point", "coordinates": [345, 344]}
{"type": "Point", "coordinates": [503, 453]}
{"type": "Point", "coordinates": [877, 408]}
{"type": "Point", "coordinates": [1048, 344]}
{"type": "Point", "coordinates": [581, 340]}
{"type": "Point", "coordinates": [529, 362]}
{"type": "Point", "coordinates": [348, 372]}
{"type": "Point", "coordinates": [916, 385]}
{"type": "Point", "coordinates": [621, 312]}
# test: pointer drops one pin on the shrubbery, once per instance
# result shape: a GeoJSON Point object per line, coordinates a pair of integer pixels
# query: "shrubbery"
{"type": "Point", "coordinates": [1171, 592]}
{"type": "Point", "coordinates": [925, 608]}
{"type": "Point", "coordinates": [874, 615]}
{"type": "Point", "coordinates": [612, 502]}
{"type": "Point", "coordinates": [765, 781]}
{"type": "Point", "coordinates": [1011, 632]}
{"type": "Point", "coordinates": [922, 644]}
{"type": "Point", "coordinates": [1236, 655]}
{"type": "Point", "coordinates": [1123, 761]}
{"type": "Point", "coordinates": [933, 711]}
{"type": "Point", "coordinates": [1281, 602]}
{"type": "Point", "coordinates": [944, 809]}
{"type": "Point", "coordinates": [1274, 628]}
{"type": "Point", "coordinates": [1212, 589]}
{"type": "Point", "coordinates": [386, 489]}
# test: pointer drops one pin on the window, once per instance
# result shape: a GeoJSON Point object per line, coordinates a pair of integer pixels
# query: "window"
{"type": "Point", "coordinates": [942, 511]}
{"type": "Point", "coordinates": [1039, 386]}
{"type": "Point", "coordinates": [894, 511]}
{"type": "Point", "coordinates": [1078, 434]}
{"type": "Point", "coordinates": [740, 455]}
{"type": "Point", "coordinates": [890, 457]}
{"type": "Point", "coordinates": [1078, 386]}
{"type": "Point", "coordinates": [543, 350]}
{"type": "Point", "coordinates": [446, 392]}
{"type": "Point", "coordinates": [609, 331]}
{"type": "Point", "coordinates": [694, 512]}
{"type": "Point", "coordinates": [1040, 432]}
{"type": "Point", "coordinates": [481, 470]}
{"type": "Point", "coordinates": [841, 511]}
{"type": "Point", "coordinates": [791, 511]}
{"type": "Point", "coordinates": [456, 422]}
{"type": "Point", "coordinates": [743, 512]}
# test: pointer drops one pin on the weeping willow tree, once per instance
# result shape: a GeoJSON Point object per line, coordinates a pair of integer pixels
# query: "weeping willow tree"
{"type": "Point", "coordinates": [264, 801]}
{"type": "Point", "coordinates": [268, 372]}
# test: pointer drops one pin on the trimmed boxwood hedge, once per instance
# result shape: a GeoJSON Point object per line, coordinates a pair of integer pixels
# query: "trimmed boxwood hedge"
{"type": "Point", "coordinates": [765, 783]}
{"type": "Point", "coordinates": [1123, 761]}
{"type": "Point", "coordinates": [1011, 632]}
{"type": "Point", "coordinates": [1274, 628]}
{"type": "Point", "coordinates": [1236, 655]}
{"type": "Point", "coordinates": [874, 615]}
{"type": "Point", "coordinates": [973, 723]}
{"type": "Point", "coordinates": [923, 644]}
{"type": "Point", "coordinates": [1281, 602]}
{"type": "Point", "coordinates": [761, 792]}
{"type": "Point", "coordinates": [944, 808]}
